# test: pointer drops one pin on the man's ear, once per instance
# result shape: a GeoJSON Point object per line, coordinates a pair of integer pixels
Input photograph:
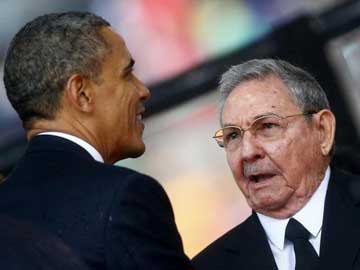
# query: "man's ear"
{"type": "Point", "coordinates": [79, 93]}
{"type": "Point", "coordinates": [326, 124]}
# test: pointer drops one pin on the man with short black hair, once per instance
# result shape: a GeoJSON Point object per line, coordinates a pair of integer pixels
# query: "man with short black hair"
{"type": "Point", "coordinates": [277, 130]}
{"type": "Point", "coordinates": [70, 78]}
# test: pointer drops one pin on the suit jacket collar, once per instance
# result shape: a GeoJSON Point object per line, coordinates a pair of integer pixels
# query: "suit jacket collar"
{"type": "Point", "coordinates": [257, 253]}
{"type": "Point", "coordinates": [340, 239]}
{"type": "Point", "coordinates": [48, 143]}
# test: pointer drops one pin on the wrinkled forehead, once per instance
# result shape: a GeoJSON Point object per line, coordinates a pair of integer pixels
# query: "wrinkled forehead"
{"type": "Point", "coordinates": [257, 97]}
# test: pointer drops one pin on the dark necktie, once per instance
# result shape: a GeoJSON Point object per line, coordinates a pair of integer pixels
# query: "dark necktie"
{"type": "Point", "coordinates": [306, 256]}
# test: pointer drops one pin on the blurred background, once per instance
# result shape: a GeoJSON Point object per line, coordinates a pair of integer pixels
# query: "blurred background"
{"type": "Point", "coordinates": [181, 47]}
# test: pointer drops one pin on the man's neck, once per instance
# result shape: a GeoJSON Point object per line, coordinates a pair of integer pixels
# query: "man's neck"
{"type": "Point", "coordinates": [65, 126]}
{"type": "Point", "coordinates": [88, 147]}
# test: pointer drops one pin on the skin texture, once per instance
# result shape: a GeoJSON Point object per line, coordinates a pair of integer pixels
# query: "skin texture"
{"type": "Point", "coordinates": [290, 168]}
{"type": "Point", "coordinates": [106, 111]}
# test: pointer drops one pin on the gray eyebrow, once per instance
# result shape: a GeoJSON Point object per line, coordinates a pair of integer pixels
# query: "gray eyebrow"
{"type": "Point", "coordinates": [256, 117]}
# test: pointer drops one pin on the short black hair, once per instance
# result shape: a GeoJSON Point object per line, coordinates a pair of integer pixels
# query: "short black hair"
{"type": "Point", "coordinates": [45, 53]}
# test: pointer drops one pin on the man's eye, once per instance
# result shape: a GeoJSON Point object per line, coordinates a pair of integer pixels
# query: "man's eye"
{"type": "Point", "coordinates": [268, 125]}
{"type": "Point", "coordinates": [128, 75]}
{"type": "Point", "coordinates": [231, 135]}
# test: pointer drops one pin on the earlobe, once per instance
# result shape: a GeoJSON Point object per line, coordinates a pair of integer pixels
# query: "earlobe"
{"type": "Point", "coordinates": [79, 93]}
{"type": "Point", "coordinates": [326, 126]}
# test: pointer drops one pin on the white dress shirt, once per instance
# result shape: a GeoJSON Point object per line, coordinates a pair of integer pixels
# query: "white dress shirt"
{"type": "Point", "coordinates": [88, 147]}
{"type": "Point", "coordinates": [310, 216]}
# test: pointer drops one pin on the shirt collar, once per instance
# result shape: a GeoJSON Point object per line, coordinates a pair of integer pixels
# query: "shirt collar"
{"type": "Point", "coordinates": [310, 216]}
{"type": "Point", "coordinates": [88, 147]}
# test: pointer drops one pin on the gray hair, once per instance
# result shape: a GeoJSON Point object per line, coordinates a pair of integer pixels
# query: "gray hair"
{"type": "Point", "coordinates": [306, 92]}
{"type": "Point", "coordinates": [45, 53]}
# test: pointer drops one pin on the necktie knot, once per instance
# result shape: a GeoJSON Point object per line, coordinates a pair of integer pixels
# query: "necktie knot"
{"type": "Point", "coordinates": [295, 231]}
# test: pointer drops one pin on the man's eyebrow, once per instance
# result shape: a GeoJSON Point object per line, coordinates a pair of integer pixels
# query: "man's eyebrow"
{"type": "Point", "coordinates": [264, 115]}
{"type": "Point", "coordinates": [254, 118]}
{"type": "Point", "coordinates": [129, 67]}
{"type": "Point", "coordinates": [227, 124]}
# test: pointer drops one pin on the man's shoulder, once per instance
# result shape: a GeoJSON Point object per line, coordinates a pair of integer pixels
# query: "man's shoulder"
{"type": "Point", "coordinates": [116, 171]}
{"type": "Point", "coordinates": [123, 176]}
{"type": "Point", "coordinates": [126, 185]}
{"type": "Point", "coordinates": [234, 240]}
{"type": "Point", "coordinates": [347, 183]}
{"type": "Point", "coordinates": [76, 175]}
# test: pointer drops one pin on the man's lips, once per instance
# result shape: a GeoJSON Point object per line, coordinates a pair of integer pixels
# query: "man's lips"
{"type": "Point", "coordinates": [140, 113]}
{"type": "Point", "coordinates": [256, 172]}
{"type": "Point", "coordinates": [259, 177]}
{"type": "Point", "coordinates": [139, 116]}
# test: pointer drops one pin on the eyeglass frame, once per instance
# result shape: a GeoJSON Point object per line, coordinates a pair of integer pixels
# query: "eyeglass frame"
{"type": "Point", "coordinates": [242, 130]}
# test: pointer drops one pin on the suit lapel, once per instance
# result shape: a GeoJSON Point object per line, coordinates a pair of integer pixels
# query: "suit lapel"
{"type": "Point", "coordinates": [257, 253]}
{"type": "Point", "coordinates": [340, 239]}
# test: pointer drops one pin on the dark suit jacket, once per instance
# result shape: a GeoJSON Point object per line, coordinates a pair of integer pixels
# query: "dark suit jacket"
{"type": "Point", "coordinates": [246, 246]}
{"type": "Point", "coordinates": [112, 217]}
{"type": "Point", "coordinates": [27, 247]}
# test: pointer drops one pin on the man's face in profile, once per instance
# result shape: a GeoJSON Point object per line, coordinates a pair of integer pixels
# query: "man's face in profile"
{"type": "Point", "coordinates": [279, 174]}
{"type": "Point", "coordinates": [119, 101]}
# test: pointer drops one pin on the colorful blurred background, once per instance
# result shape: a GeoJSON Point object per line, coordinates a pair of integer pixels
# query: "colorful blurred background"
{"type": "Point", "coordinates": [181, 47]}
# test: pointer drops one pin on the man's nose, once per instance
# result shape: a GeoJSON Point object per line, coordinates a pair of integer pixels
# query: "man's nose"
{"type": "Point", "coordinates": [143, 91]}
{"type": "Point", "coordinates": [250, 148]}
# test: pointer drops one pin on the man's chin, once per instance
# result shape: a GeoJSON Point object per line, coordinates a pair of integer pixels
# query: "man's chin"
{"type": "Point", "coordinates": [130, 151]}
{"type": "Point", "coordinates": [261, 204]}
{"type": "Point", "coordinates": [137, 151]}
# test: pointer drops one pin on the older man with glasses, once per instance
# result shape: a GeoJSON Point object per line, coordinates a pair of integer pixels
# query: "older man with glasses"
{"type": "Point", "coordinates": [277, 130]}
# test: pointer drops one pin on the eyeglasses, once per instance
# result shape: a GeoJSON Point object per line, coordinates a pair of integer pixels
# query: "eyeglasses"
{"type": "Point", "coordinates": [265, 128]}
